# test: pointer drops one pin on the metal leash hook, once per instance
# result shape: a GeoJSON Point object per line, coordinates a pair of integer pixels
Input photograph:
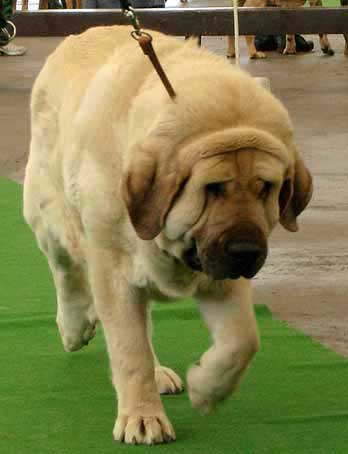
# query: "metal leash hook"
{"type": "Point", "coordinates": [145, 42]}
{"type": "Point", "coordinates": [10, 35]}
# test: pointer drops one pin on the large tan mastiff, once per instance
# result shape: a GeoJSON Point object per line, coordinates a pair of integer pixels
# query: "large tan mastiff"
{"type": "Point", "coordinates": [133, 196]}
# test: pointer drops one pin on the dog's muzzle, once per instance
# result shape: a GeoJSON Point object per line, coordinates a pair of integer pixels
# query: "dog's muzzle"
{"type": "Point", "coordinates": [239, 251]}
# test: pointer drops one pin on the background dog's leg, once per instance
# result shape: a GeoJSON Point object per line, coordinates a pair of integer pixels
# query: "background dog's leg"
{"type": "Point", "coordinates": [345, 3]}
{"type": "Point", "coordinates": [253, 53]}
{"type": "Point", "coordinates": [324, 41]}
{"type": "Point", "coordinates": [231, 52]}
{"type": "Point", "coordinates": [197, 37]}
{"type": "Point", "coordinates": [250, 40]}
{"type": "Point", "coordinates": [123, 314]}
{"type": "Point", "coordinates": [168, 382]}
{"type": "Point", "coordinates": [290, 45]}
{"type": "Point", "coordinates": [325, 45]}
{"type": "Point", "coordinates": [232, 324]}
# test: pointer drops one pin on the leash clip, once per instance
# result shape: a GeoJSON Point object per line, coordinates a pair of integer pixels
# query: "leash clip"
{"type": "Point", "coordinates": [145, 42]}
{"type": "Point", "coordinates": [133, 18]}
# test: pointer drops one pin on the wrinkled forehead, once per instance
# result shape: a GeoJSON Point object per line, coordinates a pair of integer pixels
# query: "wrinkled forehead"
{"type": "Point", "coordinates": [241, 165]}
{"type": "Point", "coordinates": [211, 149]}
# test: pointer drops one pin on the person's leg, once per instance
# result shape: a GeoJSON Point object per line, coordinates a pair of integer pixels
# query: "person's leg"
{"type": "Point", "coordinates": [6, 9]}
{"type": "Point", "coordinates": [8, 31]}
{"type": "Point", "coordinates": [3, 22]}
{"type": "Point", "coordinates": [5, 13]}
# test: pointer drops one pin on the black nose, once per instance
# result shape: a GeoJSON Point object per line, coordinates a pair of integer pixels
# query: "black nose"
{"type": "Point", "coordinates": [242, 254]}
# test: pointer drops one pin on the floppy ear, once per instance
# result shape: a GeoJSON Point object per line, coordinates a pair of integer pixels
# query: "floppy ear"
{"type": "Point", "coordinates": [149, 193]}
{"type": "Point", "coordinates": [295, 195]}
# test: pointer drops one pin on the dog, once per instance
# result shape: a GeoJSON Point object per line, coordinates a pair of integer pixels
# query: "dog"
{"type": "Point", "coordinates": [133, 196]}
{"type": "Point", "coordinates": [345, 35]}
{"type": "Point", "coordinates": [290, 47]}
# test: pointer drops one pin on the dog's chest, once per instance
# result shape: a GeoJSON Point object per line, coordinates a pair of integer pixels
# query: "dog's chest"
{"type": "Point", "coordinates": [164, 277]}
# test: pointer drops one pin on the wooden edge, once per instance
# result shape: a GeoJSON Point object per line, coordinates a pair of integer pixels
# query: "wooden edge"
{"type": "Point", "coordinates": [184, 21]}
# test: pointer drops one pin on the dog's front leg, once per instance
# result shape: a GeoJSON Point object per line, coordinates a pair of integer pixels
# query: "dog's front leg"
{"type": "Point", "coordinates": [290, 45]}
{"type": "Point", "coordinates": [122, 312]}
{"type": "Point", "coordinates": [232, 324]}
{"type": "Point", "coordinates": [345, 35]}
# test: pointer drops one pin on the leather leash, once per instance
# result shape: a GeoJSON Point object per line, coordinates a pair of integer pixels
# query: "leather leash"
{"type": "Point", "coordinates": [145, 42]}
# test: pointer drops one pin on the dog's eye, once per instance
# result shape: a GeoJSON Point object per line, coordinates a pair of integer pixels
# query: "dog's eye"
{"type": "Point", "coordinates": [216, 189]}
{"type": "Point", "coordinates": [266, 189]}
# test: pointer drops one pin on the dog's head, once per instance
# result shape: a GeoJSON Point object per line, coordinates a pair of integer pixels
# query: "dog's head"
{"type": "Point", "coordinates": [219, 195]}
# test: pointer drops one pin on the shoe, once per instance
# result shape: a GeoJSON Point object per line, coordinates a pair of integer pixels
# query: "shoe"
{"type": "Point", "coordinates": [12, 50]}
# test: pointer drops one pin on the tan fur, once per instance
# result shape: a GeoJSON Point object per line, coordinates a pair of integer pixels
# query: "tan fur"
{"type": "Point", "coordinates": [117, 191]}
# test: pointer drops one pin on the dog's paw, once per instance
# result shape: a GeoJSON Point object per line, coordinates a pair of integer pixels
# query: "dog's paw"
{"type": "Point", "coordinates": [289, 51]}
{"type": "Point", "coordinates": [199, 390]}
{"type": "Point", "coordinates": [168, 382]}
{"type": "Point", "coordinates": [75, 341]}
{"type": "Point", "coordinates": [76, 337]}
{"type": "Point", "coordinates": [257, 55]}
{"type": "Point", "coordinates": [231, 55]}
{"type": "Point", "coordinates": [148, 430]}
{"type": "Point", "coordinates": [328, 51]}
{"type": "Point", "coordinates": [209, 385]}
{"type": "Point", "coordinates": [76, 325]}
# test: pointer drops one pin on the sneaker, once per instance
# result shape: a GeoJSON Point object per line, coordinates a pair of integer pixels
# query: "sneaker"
{"type": "Point", "coordinates": [12, 50]}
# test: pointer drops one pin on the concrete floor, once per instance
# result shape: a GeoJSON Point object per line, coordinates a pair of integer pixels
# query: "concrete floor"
{"type": "Point", "coordinates": [305, 279]}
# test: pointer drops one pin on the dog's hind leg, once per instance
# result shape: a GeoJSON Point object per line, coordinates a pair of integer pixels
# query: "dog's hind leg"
{"type": "Point", "coordinates": [56, 225]}
{"type": "Point", "coordinates": [324, 40]}
{"type": "Point", "coordinates": [76, 316]}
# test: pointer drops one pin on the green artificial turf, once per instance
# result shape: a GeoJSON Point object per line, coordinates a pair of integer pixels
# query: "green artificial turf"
{"type": "Point", "coordinates": [294, 398]}
{"type": "Point", "coordinates": [329, 3]}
